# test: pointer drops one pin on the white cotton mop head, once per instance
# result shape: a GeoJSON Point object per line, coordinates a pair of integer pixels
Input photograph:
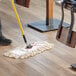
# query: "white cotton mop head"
{"type": "Point", "coordinates": [22, 53]}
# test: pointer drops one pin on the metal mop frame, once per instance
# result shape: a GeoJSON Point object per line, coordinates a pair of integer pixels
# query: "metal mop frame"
{"type": "Point", "coordinates": [37, 47]}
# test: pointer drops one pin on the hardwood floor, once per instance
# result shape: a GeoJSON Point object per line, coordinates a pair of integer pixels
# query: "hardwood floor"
{"type": "Point", "coordinates": [55, 62]}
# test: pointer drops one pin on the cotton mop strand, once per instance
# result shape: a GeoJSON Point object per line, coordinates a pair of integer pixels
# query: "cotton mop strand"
{"type": "Point", "coordinates": [29, 50]}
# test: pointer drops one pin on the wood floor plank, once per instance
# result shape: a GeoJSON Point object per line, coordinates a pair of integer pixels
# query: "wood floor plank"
{"type": "Point", "coordinates": [54, 62]}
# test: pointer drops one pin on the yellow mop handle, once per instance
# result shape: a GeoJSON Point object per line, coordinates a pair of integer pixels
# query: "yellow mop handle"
{"type": "Point", "coordinates": [17, 17]}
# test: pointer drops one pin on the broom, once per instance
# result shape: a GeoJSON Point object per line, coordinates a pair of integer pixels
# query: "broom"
{"type": "Point", "coordinates": [31, 49]}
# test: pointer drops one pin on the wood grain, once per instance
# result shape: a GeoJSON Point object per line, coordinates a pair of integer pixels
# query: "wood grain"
{"type": "Point", "coordinates": [55, 62]}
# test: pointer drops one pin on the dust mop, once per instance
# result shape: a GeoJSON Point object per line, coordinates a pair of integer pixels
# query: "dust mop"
{"type": "Point", "coordinates": [31, 49]}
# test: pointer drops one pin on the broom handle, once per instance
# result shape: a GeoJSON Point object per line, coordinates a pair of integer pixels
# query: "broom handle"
{"type": "Point", "coordinates": [18, 20]}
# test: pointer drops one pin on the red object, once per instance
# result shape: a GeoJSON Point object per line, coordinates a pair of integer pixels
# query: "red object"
{"type": "Point", "coordinates": [24, 3]}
